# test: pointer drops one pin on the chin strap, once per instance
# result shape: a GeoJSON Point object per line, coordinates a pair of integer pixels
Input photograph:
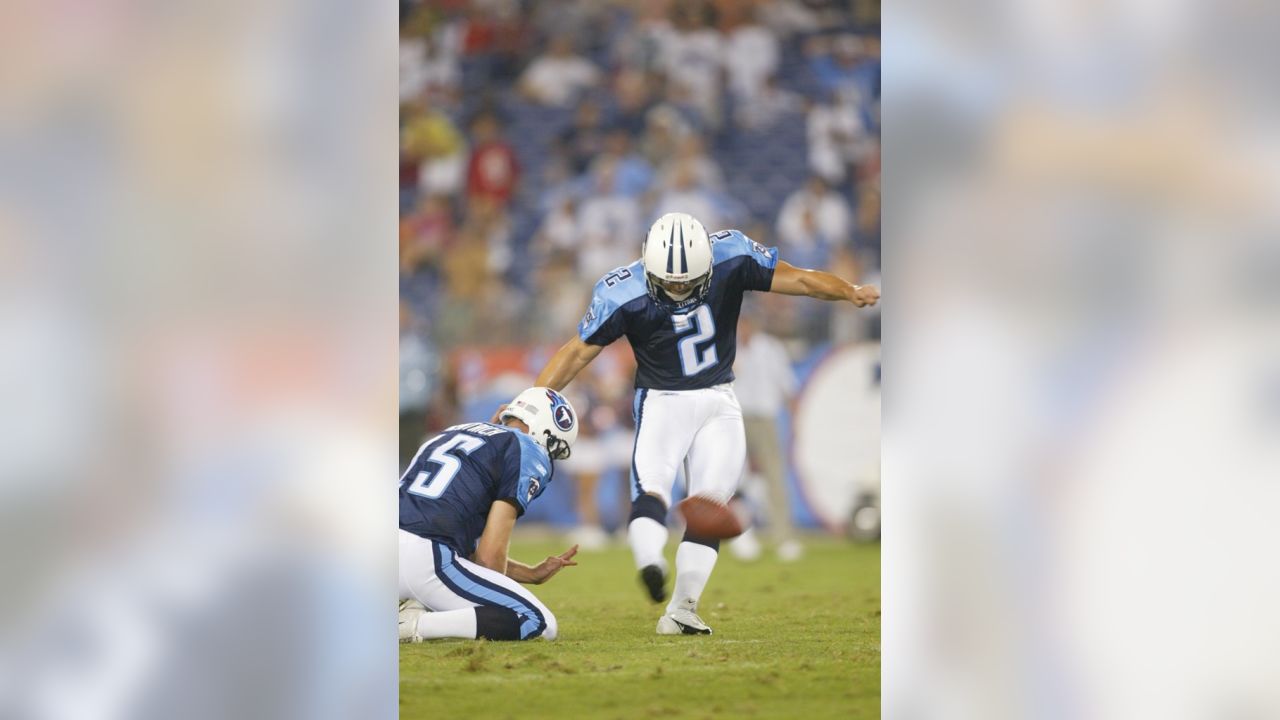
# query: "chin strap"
{"type": "Point", "coordinates": [558, 449]}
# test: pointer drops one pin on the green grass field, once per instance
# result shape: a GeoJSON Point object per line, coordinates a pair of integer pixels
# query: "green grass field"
{"type": "Point", "coordinates": [799, 640]}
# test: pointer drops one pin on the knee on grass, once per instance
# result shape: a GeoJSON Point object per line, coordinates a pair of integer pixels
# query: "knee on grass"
{"type": "Point", "coordinates": [499, 623]}
{"type": "Point", "coordinates": [550, 629]}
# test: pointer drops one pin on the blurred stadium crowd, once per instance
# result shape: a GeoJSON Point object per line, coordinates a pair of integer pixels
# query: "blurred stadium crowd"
{"type": "Point", "coordinates": [539, 139]}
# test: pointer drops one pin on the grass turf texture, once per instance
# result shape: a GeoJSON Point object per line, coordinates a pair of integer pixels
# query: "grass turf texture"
{"type": "Point", "coordinates": [795, 640]}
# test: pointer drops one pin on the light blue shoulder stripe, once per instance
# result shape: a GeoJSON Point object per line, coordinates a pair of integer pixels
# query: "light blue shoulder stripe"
{"type": "Point", "coordinates": [535, 466]}
{"type": "Point", "coordinates": [729, 244]}
{"type": "Point", "coordinates": [615, 289]}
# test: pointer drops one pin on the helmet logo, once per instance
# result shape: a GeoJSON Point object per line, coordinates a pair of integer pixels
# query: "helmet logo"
{"type": "Point", "coordinates": [564, 418]}
{"type": "Point", "coordinates": [560, 411]}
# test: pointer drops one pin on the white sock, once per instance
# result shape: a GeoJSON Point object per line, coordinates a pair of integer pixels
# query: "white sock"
{"type": "Point", "coordinates": [448, 624]}
{"type": "Point", "coordinates": [648, 538]}
{"type": "Point", "coordinates": [694, 563]}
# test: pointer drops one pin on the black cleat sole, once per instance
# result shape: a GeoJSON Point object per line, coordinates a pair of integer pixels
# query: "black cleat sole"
{"type": "Point", "coordinates": [687, 630]}
{"type": "Point", "coordinates": [654, 581]}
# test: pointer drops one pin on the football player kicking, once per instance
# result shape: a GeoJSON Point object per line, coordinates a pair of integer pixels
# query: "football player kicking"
{"type": "Point", "coordinates": [459, 500]}
{"type": "Point", "coordinates": [678, 306]}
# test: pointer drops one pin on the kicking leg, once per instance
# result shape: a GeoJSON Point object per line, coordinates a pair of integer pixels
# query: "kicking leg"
{"type": "Point", "coordinates": [662, 439]}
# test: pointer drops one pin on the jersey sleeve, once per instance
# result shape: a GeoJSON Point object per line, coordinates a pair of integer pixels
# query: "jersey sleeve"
{"type": "Point", "coordinates": [526, 472]}
{"type": "Point", "coordinates": [752, 262]}
{"type": "Point", "coordinates": [605, 320]}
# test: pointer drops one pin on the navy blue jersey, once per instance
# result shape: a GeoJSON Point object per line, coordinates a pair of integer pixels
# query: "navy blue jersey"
{"type": "Point", "coordinates": [694, 346]}
{"type": "Point", "coordinates": [446, 492]}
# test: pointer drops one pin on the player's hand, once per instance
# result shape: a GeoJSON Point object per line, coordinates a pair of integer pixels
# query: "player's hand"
{"type": "Point", "coordinates": [864, 295]}
{"type": "Point", "coordinates": [549, 567]}
{"type": "Point", "coordinates": [497, 414]}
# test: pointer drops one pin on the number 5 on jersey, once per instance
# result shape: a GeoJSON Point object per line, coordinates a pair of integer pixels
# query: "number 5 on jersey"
{"type": "Point", "coordinates": [692, 359]}
{"type": "Point", "coordinates": [433, 485]}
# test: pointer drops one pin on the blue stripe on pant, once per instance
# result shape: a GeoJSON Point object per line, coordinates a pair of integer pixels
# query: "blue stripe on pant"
{"type": "Point", "coordinates": [483, 592]}
{"type": "Point", "coordinates": [637, 413]}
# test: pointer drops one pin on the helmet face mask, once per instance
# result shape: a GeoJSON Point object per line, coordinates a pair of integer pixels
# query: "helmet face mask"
{"type": "Point", "coordinates": [674, 295]}
{"type": "Point", "coordinates": [677, 261]}
{"type": "Point", "coordinates": [552, 421]}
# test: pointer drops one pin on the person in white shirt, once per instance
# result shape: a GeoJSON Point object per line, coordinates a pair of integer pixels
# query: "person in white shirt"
{"type": "Point", "coordinates": [692, 58]}
{"type": "Point", "coordinates": [838, 138]}
{"type": "Point", "coordinates": [751, 57]}
{"type": "Point", "coordinates": [813, 222]}
{"type": "Point", "coordinates": [558, 76]}
{"type": "Point", "coordinates": [427, 70]}
{"type": "Point", "coordinates": [683, 194]}
{"type": "Point", "coordinates": [765, 385]}
{"type": "Point", "coordinates": [608, 222]}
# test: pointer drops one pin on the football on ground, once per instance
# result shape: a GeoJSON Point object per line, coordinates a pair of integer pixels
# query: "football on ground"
{"type": "Point", "coordinates": [799, 639]}
{"type": "Point", "coordinates": [709, 518]}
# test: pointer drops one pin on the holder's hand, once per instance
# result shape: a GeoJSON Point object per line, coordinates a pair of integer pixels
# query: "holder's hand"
{"type": "Point", "coordinates": [546, 569]}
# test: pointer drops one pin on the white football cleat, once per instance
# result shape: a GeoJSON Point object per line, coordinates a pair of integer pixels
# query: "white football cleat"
{"type": "Point", "coordinates": [410, 611]}
{"type": "Point", "coordinates": [683, 620]}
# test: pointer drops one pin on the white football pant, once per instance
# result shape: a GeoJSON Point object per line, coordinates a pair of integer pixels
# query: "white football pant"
{"type": "Point", "coordinates": [699, 430]}
{"type": "Point", "coordinates": [436, 576]}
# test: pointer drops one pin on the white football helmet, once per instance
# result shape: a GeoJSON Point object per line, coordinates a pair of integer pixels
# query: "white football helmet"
{"type": "Point", "coordinates": [552, 421]}
{"type": "Point", "coordinates": [677, 260]}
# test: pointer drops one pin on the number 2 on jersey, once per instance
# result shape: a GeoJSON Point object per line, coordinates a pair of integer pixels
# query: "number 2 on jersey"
{"type": "Point", "coordinates": [433, 485]}
{"type": "Point", "coordinates": [617, 276]}
{"type": "Point", "coordinates": [693, 360]}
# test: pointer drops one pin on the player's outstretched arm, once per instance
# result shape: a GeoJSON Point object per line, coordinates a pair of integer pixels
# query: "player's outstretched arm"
{"type": "Point", "coordinates": [543, 571]}
{"type": "Point", "coordinates": [565, 365]}
{"type": "Point", "coordinates": [791, 280]}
